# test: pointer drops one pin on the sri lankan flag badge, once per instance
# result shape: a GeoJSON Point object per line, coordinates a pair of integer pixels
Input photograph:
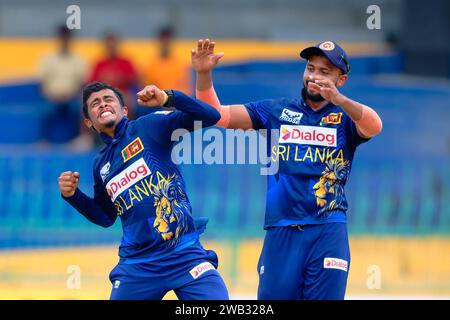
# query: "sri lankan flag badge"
{"type": "Point", "coordinates": [132, 149]}
{"type": "Point", "coordinates": [332, 118]}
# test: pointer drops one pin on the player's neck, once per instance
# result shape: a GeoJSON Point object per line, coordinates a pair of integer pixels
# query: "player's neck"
{"type": "Point", "coordinates": [115, 128]}
{"type": "Point", "coordinates": [109, 131]}
{"type": "Point", "coordinates": [316, 105]}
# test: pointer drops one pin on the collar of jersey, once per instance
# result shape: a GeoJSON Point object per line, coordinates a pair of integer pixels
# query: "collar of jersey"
{"type": "Point", "coordinates": [118, 132]}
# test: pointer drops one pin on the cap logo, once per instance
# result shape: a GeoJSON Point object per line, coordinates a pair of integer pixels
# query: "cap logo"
{"type": "Point", "coordinates": [327, 45]}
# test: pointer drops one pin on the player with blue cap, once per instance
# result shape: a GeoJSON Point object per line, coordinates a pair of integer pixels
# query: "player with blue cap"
{"type": "Point", "coordinates": [306, 251]}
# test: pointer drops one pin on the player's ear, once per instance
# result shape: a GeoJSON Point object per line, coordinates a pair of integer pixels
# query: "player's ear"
{"type": "Point", "coordinates": [125, 110]}
{"type": "Point", "coordinates": [88, 123]}
{"type": "Point", "coordinates": [341, 80]}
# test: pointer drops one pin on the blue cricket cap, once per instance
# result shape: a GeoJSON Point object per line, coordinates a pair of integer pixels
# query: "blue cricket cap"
{"type": "Point", "coordinates": [332, 51]}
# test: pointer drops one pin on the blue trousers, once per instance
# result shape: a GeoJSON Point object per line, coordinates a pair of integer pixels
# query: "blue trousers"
{"type": "Point", "coordinates": [191, 273]}
{"type": "Point", "coordinates": [304, 262]}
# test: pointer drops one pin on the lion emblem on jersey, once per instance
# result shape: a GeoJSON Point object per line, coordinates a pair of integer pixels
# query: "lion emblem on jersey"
{"type": "Point", "coordinates": [331, 182]}
{"type": "Point", "coordinates": [171, 206]}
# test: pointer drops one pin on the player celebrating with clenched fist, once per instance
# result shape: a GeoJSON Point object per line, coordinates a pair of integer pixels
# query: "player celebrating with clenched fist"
{"type": "Point", "coordinates": [306, 251]}
{"type": "Point", "coordinates": [135, 179]}
{"type": "Point", "coordinates": [68, 183]}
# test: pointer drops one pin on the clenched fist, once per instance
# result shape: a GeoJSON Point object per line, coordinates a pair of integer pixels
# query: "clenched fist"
{"type": "Point", "coordinates": [151, 96]}
{"type": "Point", "coordinates": [68, 183]}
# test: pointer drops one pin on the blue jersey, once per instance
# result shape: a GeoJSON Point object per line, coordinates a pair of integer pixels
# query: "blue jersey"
{"type": "Point", "coordinates": [136, 180]}
{"type": "Point", "coordinates": [314, 153]}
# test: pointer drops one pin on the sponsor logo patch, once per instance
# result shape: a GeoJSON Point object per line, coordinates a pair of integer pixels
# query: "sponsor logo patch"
{"type": "Point", "coordinates": [327, 45]}
{"type": "Point", "coordinates": [335, 263]}
{"type": "Point", "coordinates": [132, 149]}
{"type": "Point", "coordinates": [291, 116]}
{"type": "Point", "coordinates": [201, 269]}
{"type": "Point", "coordinates": [104, 171]}
{"type": "Point", "coordinates": [164, 112]}
{"type": "Point", "coordinates": [309, 135]}
{"type": "Point", "coordinates": [116, 284]}
{"type": "Point", "coordinates": [128, 177]}
{"type": "Point", "coordinates": [332, 118]}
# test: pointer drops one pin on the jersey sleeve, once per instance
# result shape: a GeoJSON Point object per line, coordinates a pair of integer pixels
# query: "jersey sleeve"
{"type": "Point", "coordinates": [259, 112]}
{"type": "Point", "coordinates": [160, 125]}
{"type": "Point", "coordinates": [353, 135]}
{"type": "Point", "coordinates": [191, 114]}
{"type": "Point", "coordinates": [99, 209]}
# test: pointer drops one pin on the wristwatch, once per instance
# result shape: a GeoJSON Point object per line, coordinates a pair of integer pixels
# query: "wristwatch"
{"type": "Point", "coordinates": [169, 102]}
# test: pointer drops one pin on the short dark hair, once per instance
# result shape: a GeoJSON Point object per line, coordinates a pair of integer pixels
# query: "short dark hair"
{"type": "Point", "coordinates": [96, 87]}
{"type": "Point", "coordinates": [110, 34]}
{"type": "Point", "coordinates": [63, 31]}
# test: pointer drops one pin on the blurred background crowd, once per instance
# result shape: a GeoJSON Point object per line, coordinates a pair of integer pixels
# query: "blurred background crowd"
{"type": "Point", "coordinates": [399, 190]}
{"type": "Point", "coordinates": [62, 74]}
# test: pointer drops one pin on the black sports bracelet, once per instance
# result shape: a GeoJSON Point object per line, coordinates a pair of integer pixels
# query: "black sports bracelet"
{"type": "Point", "coordinates": [169, 102]}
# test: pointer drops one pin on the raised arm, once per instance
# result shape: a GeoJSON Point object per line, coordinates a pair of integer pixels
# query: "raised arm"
{"type": "Point", "coordinates": [203, 61]}
{"type": "Point", "coordinates": [191, 109]}
{"type": "Point", "coordinates": [367, 122]}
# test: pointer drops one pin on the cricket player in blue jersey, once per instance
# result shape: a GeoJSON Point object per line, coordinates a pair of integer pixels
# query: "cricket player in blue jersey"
{"type": "Point", "coordinates": [135, 179]}
{"type": "Point", "coordinates": [306, 250]}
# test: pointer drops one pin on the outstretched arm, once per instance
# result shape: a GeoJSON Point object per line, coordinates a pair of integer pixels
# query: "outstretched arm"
{"type": "Point", "coordinates": [203, 61]}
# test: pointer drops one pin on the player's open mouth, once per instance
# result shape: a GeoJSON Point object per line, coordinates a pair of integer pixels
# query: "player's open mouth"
{"type": "Point", "coordinates": [105, 114]}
